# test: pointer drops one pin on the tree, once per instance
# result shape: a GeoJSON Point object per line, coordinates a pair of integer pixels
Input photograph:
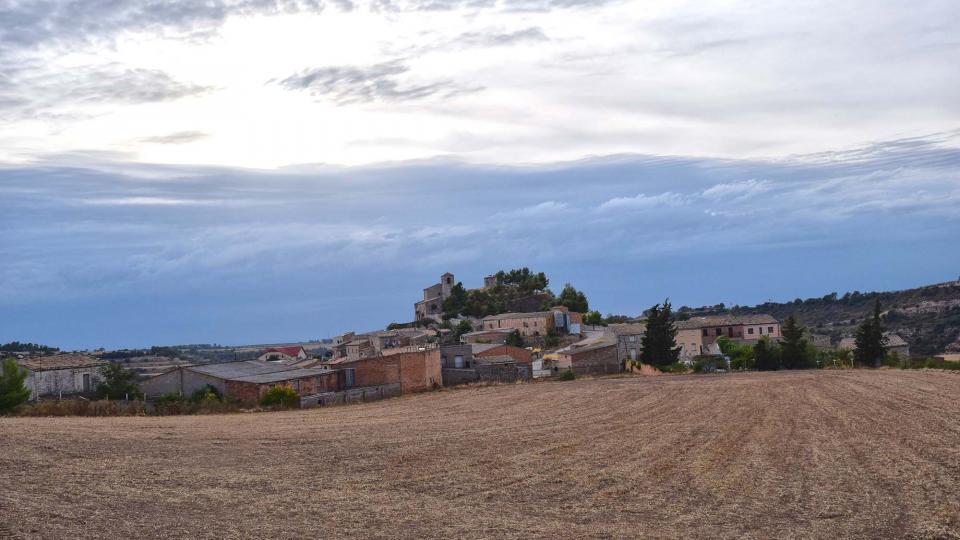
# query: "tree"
{"type": "Point", "coordinates": [463, 327]}
{"type": "Point", "coordinates": [117, 383]}
{"type": "Point", "coordinates": [514, 339]}
{"type": "Point", "coordinates": [573, 299]}
{"type": "Point", "coordinates": [870, 346]}
{"type": "Point", "coordinates": [593, 318]}
{"type": "Point", "coordinates": [284, 396]}
{"type": "Point", "coordinates": [659, 342]}
{"type": "Point", "coordinates": [794, 350]}
{"type": "Point", "coordinates": [766, 355]}
{"type": "Point", "coordinates": [454, 304]}
{"type": "Point", "coordinates": [12, 391]}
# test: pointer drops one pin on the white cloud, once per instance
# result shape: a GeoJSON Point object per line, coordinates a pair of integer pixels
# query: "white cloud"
{"type": "Point", "coordinates": [644, 202]}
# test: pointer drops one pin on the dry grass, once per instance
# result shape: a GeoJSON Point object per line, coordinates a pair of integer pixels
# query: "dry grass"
{"type": "Point", "coordinates": [869, 454]}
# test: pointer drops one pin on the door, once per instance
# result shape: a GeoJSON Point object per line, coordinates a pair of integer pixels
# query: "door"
{"type": "Point", "coordinates": [86, 383]}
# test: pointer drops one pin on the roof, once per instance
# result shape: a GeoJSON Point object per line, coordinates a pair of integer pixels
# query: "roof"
{"type": "Point", "coordinates": [283, 375]}
{"type": "Point", "coordinates": [623, 328]}
{"type": "Point", "coordinates": [726, 320]}
{"type": "Point", "coordinates": [530, 315]}
{"type": "Point", "coordinates": [233, 370]}
{"type": "Point", "coordinates": [289, 351]}
{"type": "Point", "coordinates": [587, 345]}
{"type": "Point", "coordinates": [491, 331]}
{"type": "Point", "coordinates": [893, 340]}
{"type": "Point", "coordinates": [478, 348]}
{"type": "Point", "coordinates": [498, 359]}
{"type": "Point", "coordinates": [60, 361]}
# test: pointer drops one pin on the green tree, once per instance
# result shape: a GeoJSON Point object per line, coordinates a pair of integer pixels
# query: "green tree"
{"type": "Point", "coordinates": [870, 346]}
{"type": "Point", "coordinates": [463, 327]}
{"type": "Point", "coordinates": [766, 355]}
{"type": "Point", "coordinates": [593, 318]}
{"type": "Point", "coordinates": [514, 339]}
{"type": "Point", "coordinates": [454, 304]}
{"type": "Point", "coordinates": [573, 299]}
{"type": "Point", "coordinates": [794, 349]}
{"type": "Point", "coordinates": [659, 342]}
{"type": "Point", "coordinates": [118, 383]}
{"type": "Point", "coordinates": [12, 391]}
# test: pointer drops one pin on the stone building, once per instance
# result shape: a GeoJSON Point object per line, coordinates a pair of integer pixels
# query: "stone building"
{"type": "Point", "coordinates": [628, 338]}
{"type": "Point", "coordinates": [61, 374]}
{"type": "Point", "coordinates": [414, 370]}
{"type": "Point", "coordinates": [283, 354]}
{"type": "Point", "coordinates": [431, 307]}
{"type": "Point", "coordinates": [698, 335]}
{"type": "Point", "coordinates": [594, 357]}
{"type": "Point", "coordinates": [535, 324]}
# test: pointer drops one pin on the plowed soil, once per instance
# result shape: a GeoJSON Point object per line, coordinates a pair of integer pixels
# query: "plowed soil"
{"type": "Point", "coordinates": [863, 454]}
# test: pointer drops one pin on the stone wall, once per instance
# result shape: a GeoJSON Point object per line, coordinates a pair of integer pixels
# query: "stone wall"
{"type": "Point", "coordinates": [366, 393]}
{"type": "Point", "coordinates": [54, 382]}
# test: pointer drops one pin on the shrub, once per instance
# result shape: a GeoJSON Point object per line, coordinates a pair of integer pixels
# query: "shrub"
{"type": "Point", "coordinates": [283, 396]}
{"type": "Point", "coordinates": [568, 375]}
{"type": "Point", "coordinates": [207, 394]}
{"type": "Point", "coordinates": [118, 383]}
{"type": "Point", "coordinates": [676, 367]}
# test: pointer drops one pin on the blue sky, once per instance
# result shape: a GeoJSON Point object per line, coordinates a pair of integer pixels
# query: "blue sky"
{"type": "Point", "coordinates": [252, 171]}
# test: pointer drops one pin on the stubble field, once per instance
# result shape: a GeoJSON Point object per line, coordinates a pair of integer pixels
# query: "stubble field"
{"type": "Point", "coordinates": [870, 454]}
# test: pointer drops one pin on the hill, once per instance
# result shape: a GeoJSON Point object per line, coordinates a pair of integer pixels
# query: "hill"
{"type": "Point", "coordinates": [927, 317]}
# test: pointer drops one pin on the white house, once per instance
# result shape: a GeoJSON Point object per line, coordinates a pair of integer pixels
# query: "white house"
{"type": "Point", "coordinates": [61, 374]}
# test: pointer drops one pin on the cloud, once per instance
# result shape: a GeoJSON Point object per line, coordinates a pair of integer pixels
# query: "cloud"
{"type": "Point", "coordinates": [29, 91]}
{"type": "Point", "coordinates": [743, 188]}
{"type": "Point", "coordinates": [493, 38]}
{"type": "Point", "coordinates": [642, 202]}
{"type": "Point", "coordinates": [365, 84]}
{"type": "Point", "coordinates": [179, 137]}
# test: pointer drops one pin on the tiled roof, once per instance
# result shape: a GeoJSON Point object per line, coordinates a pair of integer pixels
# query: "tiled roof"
{"type": "Point", "coordinates": [725, 320]}
{"type": "Point", "coordinates": [497, 359]}
{"type": "Point", "coordinates": [539, 314]}
{"type": "Point", "coordinates": [60, 361]}
{"type": "Point", "coordinates": [289, 351]}
{"type": "Point", "coordinates": [283, 375]}
{"type": "Point", "coordinates": [478, 348]}
{"type": "Point", "coordinates": [493, 330]}
{"type": "Point", "coordinates": [623, 328]}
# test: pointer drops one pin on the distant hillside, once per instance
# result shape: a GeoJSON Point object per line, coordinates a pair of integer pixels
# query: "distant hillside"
{"type": "Point", "coordinates": [927, 317]}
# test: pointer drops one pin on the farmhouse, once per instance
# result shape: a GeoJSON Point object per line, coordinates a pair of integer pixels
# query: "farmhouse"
{"type": "Point", "coordinates": [517, 354]}
{"type": "Point", "coordinates": [303, 381]}
{"type": "Point", "coordinates": [283, 354]}
{"type": "Point", "coordinates": [538, 323]}
{"type": "Point", "coordinates": [698, 335]}
{"type": "Point", "coordinates": [592, 356]}
{"type": "Point", "coordinates": [628, 338]}
{"type": "Point", "coordinates": [61, 374]}
{"type": "Point", "coordinates": [414, 370]}
{"type": "Point", "coordinates": [892, 341]}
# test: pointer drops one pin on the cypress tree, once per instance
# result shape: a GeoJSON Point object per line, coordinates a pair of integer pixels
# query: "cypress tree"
{"type": "Point", "coordinates": [870, 346]}
{"type": "Point", "coordinates": [794, 346]}
{"type": "Point", "coordinates": [12, 392]}
{"type": "Point", "coordinates": [659, 342]}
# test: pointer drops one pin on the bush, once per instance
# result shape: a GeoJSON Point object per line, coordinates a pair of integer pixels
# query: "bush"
{"type": "Point", "coordinates": [79, 407]}
{"type": "Point", "coordinates": [568, 375]}
{"type": "Point", "coordinates": [676, 367]}
{"type": "Point", "coordinates": [118, 383]}
{"type": "Point", "coordinates": [283, 396]}
{"type": "Point", "coordinates": [207, 394]}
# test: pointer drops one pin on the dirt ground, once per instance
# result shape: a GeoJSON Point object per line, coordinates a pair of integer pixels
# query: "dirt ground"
{"type": "Point", "coordinates": [866, 454]}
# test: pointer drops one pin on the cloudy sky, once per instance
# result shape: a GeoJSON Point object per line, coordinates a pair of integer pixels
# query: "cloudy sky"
{"type": "Point", "coordinates": [250, 171]}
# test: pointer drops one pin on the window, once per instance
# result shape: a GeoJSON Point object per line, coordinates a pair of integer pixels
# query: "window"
{"type": "Point", "coordinates": [719, 331]}
{"type": "Point", "coordinates": [633, 339]}
{"type": "Point", "coordinates": [458, 361]}
{"type": "Point", "coordinates": [705, 332]}
{"type": "Point", "coordinates": [761, 330]}
{"type": "Point", "coordinates": [769, 329]}
{"type": "Point", "coordinates": [749, 330]}
{"type": "Point", "coordinates": [730, 331]}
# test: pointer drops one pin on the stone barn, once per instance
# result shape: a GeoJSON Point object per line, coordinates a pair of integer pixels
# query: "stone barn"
{"type": "Point", "coordinates": [61, 374]}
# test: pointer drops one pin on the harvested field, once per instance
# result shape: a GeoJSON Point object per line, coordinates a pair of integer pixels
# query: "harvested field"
{"type": "Point", "coordinates": [868, 454]}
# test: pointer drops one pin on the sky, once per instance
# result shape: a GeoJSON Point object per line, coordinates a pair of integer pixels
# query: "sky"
{"type": "Point", "coordinates": [254, 171]}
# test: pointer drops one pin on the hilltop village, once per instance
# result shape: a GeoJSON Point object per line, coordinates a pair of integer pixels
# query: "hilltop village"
{"type": "Point", "coordinates": [511, 328]}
